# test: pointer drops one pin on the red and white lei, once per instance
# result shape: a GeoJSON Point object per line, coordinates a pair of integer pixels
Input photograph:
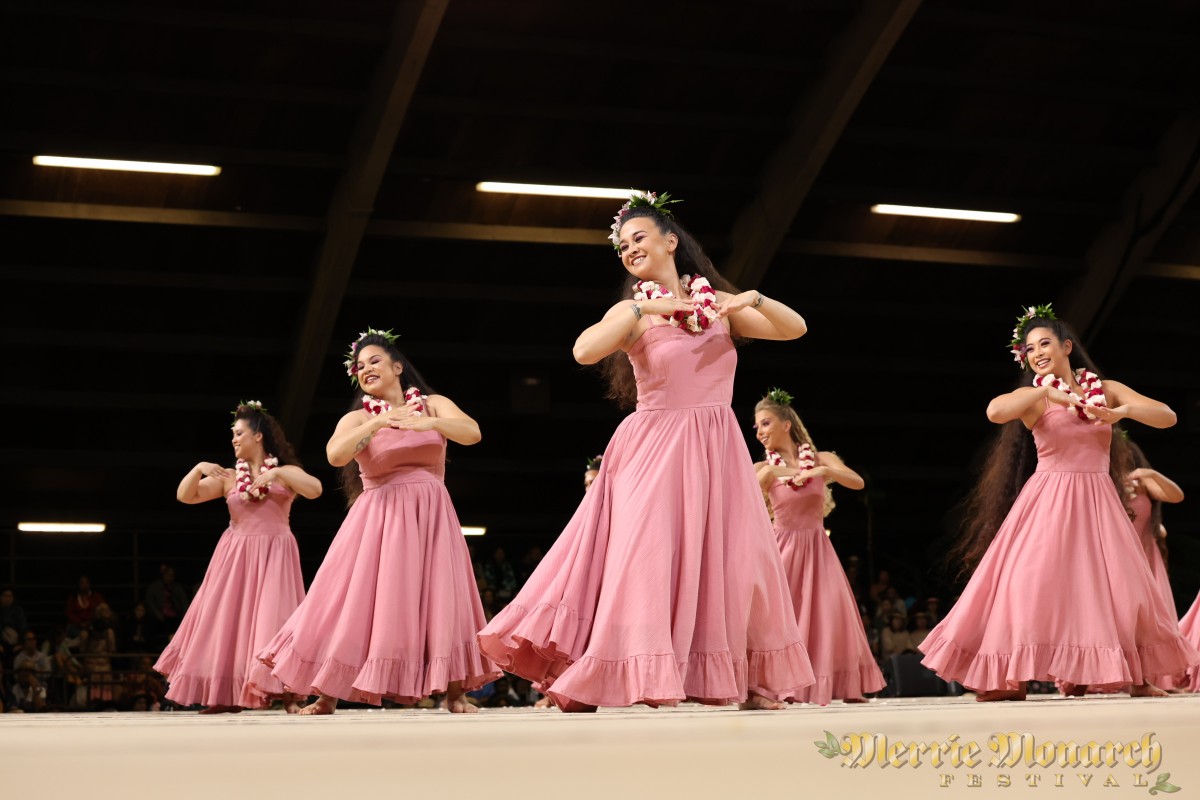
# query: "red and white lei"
{"type": "Point", "coordinates": [806, 460]}
{"type": "Point", "coordinates": [703, 297]}
{"type": "Point", "coordinates": [412, 397]}
{"type": "Point", "coordinates": [245, 481]}
{"type": "Point", "coordinates": [1089, 382]}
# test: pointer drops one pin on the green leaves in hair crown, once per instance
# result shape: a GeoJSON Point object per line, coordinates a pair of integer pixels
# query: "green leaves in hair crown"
{"type": "Point", "coordinates": [253, 405]}
{"type": "Point", "coordinates": [1017, 345]}
{"type": "Point", "coordinates": [639, 200]}
{"type": "Point", "coordinates": [779, 397]}
{"type": "Point", "coordinates": [594, 461]}
{"type": "Point", "coordinates": [351, 362]}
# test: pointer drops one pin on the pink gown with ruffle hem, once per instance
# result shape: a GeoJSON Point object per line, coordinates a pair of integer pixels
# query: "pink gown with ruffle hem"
{"type": "Point", "coordinates": [252, 585]}
{"type": "Point", "coordinates": [1189, 628]}
{"type": "Point", "coordinates": [826, 612]}
{"type": "Point", "coordinates": [394, 609]}
{"type": "Point", "coordinates": [1064, 592]}
{"type": "Point", "coordinates": [666, 584]}
{"type": "Point", "coordinates": [1141, 506]}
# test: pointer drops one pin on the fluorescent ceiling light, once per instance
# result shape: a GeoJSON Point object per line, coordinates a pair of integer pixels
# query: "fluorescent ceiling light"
{"type": "Point", "coordinates": [474, 530]}
{"type": "Point", "coordinates": [126, 166]}
{"type": "Point", "coordinates": [61, 527]}
{"type": "Point", "coordinates": [945, 213]}
{"type": "Point", "coordinates": [553, 191]}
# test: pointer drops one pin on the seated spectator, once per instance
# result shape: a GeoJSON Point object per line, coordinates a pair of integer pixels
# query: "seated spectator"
{"type": "Point", "coordinates": [30, 656]}
{"type": "Point", "coordinates": [166, 601]}
{"type": "Point", "coordinates": [28, 694]}
{"type": "Point", "coordinates": [501, 576]}
{"type": "Point", "coordinates": [899, 605]}
{"type": "Point", "coordinates": [529, 562]}
{"type": "Point", "coordinates": [143, 682]}
{"type": "Point", "coordinates": [81, 605]}
{"type": "Point", "coordinates": [12, 619]}
{"type": "Point", "coordinates": [895, 639]}
{"type": "Point", "coordinates": [920, 629]}
{"type": "Point", "coordinates": [136, 632]}
{"type": "Point", "coordinates": [99, 643]}
{"type": "Point", "coordinates": [932, 610]}
{"type": "Point", "coordinates": [879, 588]}
{"type": "Point", "coordinates": [488, 598]}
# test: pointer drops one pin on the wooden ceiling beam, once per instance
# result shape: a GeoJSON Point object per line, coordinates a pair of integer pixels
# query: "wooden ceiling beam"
{"type": "Point", "coordinates": [816, 124]}
{"type": "Point", "coordinates": [994, 146]}
{"type": "Point", "coordinates": [136, 82]}
{"type": "Point", "coordinates": [1151, 204]}
{"type": "Point", "coordinates": [174, 16]}
{"type": "Point", "coordinates": [414, 29]}
{"type": "Point", "coordinates": [100, 212]}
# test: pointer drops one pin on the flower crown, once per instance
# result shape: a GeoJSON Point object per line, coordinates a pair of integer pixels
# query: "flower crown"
{"type": "Point", "coordinates": [639, 200]}
{"type": "Point", "coordinates": [254, 405]}
{"type": "Point", "coordinates": [1017, 346]}
{"type": "Point", "coordinates": [594, 462]}
{"type": "Point", "coordinates": [351, 362]}
{"type": "Point", "coordinates": [779, 397]}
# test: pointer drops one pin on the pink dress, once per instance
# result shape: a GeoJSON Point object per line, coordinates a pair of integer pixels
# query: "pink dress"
{"type": "Point", "coordinates": [1141, 522]}
{"type": "Point", "coordinates": [1189, 628]}
{"type": "Point", "coordinates": [666, 584]}
{"type": "Point", "coordinates": [393, 610]}
{"type": "Point", "coordinates": [826, 612]}
{"type": "Point", "coordinates": [1063, 592]}
{"type": "Point", "coordinates": [252, 584]}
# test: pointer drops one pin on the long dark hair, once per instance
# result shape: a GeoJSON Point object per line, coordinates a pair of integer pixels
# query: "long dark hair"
{"type": "Point", "coordinates": [349, 475]}
{"type": "Point", "coordinates": [1010, 461]}
{"type": "Point", "coordinates": [691, 259]}
{"type": "Point", "coordinates": [1138, 460]}
{"type": "Point", "coordinates": [274, 442]}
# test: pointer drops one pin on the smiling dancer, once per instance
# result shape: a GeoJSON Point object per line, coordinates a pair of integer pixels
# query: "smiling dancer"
{"type": "Point", "coordinates": [394, 608]}
{"type": "Point", "coordinates": [253, 582]}
{"type": "Point", "coordinates": [795, 477]}
{"type": "Point", "coordinates": [1061, 590]}
{"type": "Point", "coordinates": [666, 584]}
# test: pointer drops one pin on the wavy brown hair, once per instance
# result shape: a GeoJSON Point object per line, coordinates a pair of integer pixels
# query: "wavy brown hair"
{"type": "Point", "coordinates": [691, 259]}
{"type": "Point", "coordinates": [1010, 461]}
{"type": "Point", "coordinates": [274, 441]}
{"type": "Point", "coordinates": [1138, 460]}
{"type": "Point", "coordinates": [799, 435]}
{"type": "Point", "coordinates": [349, 475]}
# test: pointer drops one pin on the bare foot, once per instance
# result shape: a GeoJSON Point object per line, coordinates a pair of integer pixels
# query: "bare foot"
{"type": "Point", "coordinates": [756, 702]}
{"type": "Point", "coordinates": [221, 710]}
{"type": "Point", "coordinates": [1146, 690]}
{"type": "Point", "coordinates": [999, 695]}
{"type": "Point", "coordinates": [855, 700]}
{"type": "Point", "coordinates": [291, 706]}
{"type": "Point", "coordinates": [1072, 689]}
{"type": "Point", "coordinates": [460, 706]}
{"type": "Point", "coordinates": [544, 702]}
{"type": "Point", "coordinates": [323, 705]}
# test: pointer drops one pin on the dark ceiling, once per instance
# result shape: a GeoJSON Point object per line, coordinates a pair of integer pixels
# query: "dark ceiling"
{"type": "Point", "coordinates": [139, 308]}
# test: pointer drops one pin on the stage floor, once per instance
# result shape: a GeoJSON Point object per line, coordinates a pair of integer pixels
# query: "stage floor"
{"type": "Point", "coordinates": [686, 752]}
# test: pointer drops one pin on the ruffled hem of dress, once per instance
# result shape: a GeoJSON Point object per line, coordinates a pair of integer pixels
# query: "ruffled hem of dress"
{"type": "Point", "coordinates": [535, 644]}
{"type": "Point", "coordinates": [402, 681]}
{"type": "Point", "coordinates": [1095, 666]}
{"type": "Point", "coordinates": [847, 684]}
{"type": "Point", "coordinates": [188, 690]}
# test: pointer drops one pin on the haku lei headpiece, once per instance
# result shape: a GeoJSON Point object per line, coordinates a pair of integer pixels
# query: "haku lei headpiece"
{"type": "Point", "coordinates": [255, 405]}
{"type": "Point", "coordinates": [639, 200]}
{"type": "Point", "coordinates": [351, 362]}
{"type": "Point", "coordinates": [594, 462]}
{"type": "Point", "coordinates": [779, 397]}
{"type": "Point", "coordinates": [1017, 346]}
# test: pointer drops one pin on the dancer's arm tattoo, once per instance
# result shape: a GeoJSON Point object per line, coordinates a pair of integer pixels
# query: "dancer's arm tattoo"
{"type": "Point", "coordinates": [363, 442]}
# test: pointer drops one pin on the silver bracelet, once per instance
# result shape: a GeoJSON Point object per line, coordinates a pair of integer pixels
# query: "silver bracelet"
{"type": "Point", "coordinates": [637, 311]}
{"type": "Point", "coordinates": [758, 303]}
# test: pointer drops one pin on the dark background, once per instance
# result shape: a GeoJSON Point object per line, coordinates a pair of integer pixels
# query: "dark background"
{"type": "Point", "coordinates": [138, 309]}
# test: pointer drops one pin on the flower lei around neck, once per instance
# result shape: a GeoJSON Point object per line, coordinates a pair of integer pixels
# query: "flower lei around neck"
{"type": "Point", "coordinates": [412, 397]}
{"type": "Point", "coordinates": [806, 458]}
{"type": "Point", "coordinates": [1089, 382]}
{"type": "Point", "coordinates": [703, 298]}
{"type": "Point", "coordinates": [245, 481]}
